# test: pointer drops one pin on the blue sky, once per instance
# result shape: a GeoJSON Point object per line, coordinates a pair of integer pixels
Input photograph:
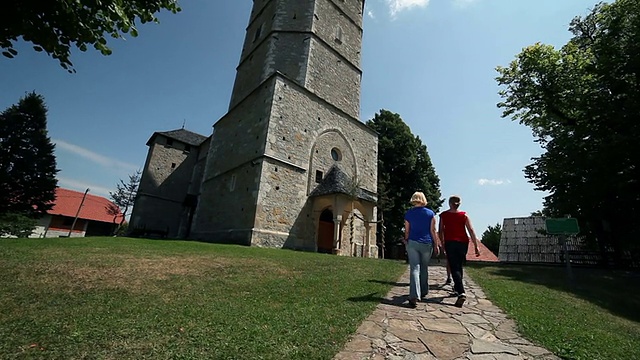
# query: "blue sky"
{"type": "Point", "coordinates": [431, 61]}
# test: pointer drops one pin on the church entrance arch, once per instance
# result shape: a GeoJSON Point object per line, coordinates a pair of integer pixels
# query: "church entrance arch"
{"type": "Point", "coordinates": [325, 232]}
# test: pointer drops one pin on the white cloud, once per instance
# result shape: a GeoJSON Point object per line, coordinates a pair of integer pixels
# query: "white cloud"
{"type": "Point", "coordinates": [493, 182]}
{"type": "Point", "coordinates": [82, 186]}
{"type": "Point", "coordinates": [463, 3]}
{"type": "Point", "coordinates": [395, 6]}
{"type": "Point", "coordinates": [95, 157]}
{"type": "Point", "coordinates": [371, 14]}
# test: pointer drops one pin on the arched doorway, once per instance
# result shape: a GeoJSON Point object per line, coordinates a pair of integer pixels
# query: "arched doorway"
{"type": "Point", "coordinates": [325, 232]}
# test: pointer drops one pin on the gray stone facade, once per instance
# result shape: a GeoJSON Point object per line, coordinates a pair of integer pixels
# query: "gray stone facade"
{"type": "Point", "coordinates": [293, 116]}
{"type": "Point", "coordinates": [524, 239]}
{"type": "Point", "coordinates": [169, 184]}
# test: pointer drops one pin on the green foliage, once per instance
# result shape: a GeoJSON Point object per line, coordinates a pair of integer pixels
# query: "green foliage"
{"type": "Point", "coordinates": [491, 238]}
{"type": "Point", "coordinates": [592, 320]}
{"type": "Point", "coordinates": [404, 167]}
{"type": "Point", "coordinates": [124, 197]}
{"type": "Point", "coordinates": [15, 224]}
{"type": "Point", "coordinates": [54, 25]}
{"type": "Point", "coordinates": [582, 102]}
{"type": "Point", "coordinates": [27, 162]}
{"type": "Point", "coordinates": [147, 299]}
{"type": "Point", "coordinates": [122, 230]}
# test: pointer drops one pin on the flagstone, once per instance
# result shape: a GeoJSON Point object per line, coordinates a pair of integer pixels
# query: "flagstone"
{"type": "Point", "coordinates": [479, 346]}
{"type": "Point", "coordinates": [444, 325]}
{"type": "Point", "coordinates": [445, 346]}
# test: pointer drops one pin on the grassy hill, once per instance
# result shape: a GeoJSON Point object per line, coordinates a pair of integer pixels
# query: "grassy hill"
{"type": "Point", "coordinates": [121, 298]}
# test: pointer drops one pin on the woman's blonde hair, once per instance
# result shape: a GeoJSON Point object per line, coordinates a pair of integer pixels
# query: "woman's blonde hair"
{"type": "Point", "coordinates": [418, 198]}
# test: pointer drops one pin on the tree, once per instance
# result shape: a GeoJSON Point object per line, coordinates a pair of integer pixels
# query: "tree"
{"type": "Point", "coordinates": [491, 238]}
{"type": "Point", "coordinates": [16, 224]}
{"type": "Point", "coordinates": [582, 102]}
{"type": "Point", "coordinates": [124, 197]}
{"type": "Point", "coordinates": [54, 25]}
{"type": "Point", "coordinates": [404, 166]}
{"type": "Point", "coordinates": [27, 161]}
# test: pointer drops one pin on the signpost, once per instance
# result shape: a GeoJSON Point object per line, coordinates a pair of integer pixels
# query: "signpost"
{"type": "Point", "coordinates": [563, 227]}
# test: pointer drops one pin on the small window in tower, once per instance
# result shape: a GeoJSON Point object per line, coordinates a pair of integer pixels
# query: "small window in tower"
{"type": "Point", "coordinates": [258, 33]}
{"type": "Point", "coordinates": [187, 148]}
{"type": "Point", "coordinates": [336, 155]}
{"type": "Point", "coordinates": [169, 142]}
{"type": "Point", "coordinates": [173, 165]}
{"type": "Point", "coordinates": [319, 175]}
{"type": "Point", "coordinates": [232, 183]}
{"type": "Point", "coordinates": [339, 35]}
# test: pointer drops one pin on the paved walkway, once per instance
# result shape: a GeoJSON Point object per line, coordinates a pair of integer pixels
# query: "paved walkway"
{"type": "Point", "coordinates": [438, 330]}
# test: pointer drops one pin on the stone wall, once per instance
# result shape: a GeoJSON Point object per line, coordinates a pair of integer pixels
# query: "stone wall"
{"type": "Point", "coordinates": [311, 124]}
{"type": "Point", "coordinates": [282, 45]}
{"type": "Point", "coordinates": [226, 209]}
{"type": "Point", "coordinates": [341, 30]}
{"type": "Point", "coordinates": [524, 239]}
{"type": "Point", "coordinates": [167, 177]}
{"type": "Point", "coordinates": [333, 79]}
{"type": "Point", "coordinates": [283, 214]}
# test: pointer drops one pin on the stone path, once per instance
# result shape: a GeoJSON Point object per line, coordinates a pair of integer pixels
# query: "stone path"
{"type": "Point", "coordinates": [438, 330]}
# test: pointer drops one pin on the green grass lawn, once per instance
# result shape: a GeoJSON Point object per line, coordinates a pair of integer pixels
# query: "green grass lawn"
{"type": "Point", "coordinates": [119, 298]}
{"type": "Point", "coordinates": [597, 318]}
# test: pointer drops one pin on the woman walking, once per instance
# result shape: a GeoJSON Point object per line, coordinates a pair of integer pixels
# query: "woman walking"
{"type": "Point", "coordinates": [420, 236]}
{"type": "Point", "coordinates": [454, 225]}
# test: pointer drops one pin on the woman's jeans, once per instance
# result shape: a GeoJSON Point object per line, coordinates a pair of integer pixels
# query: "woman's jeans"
{"type": "Point", "coordinates": [419, 255]}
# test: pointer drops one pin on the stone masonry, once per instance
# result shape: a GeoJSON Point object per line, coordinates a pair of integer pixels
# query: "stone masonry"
{"type": "Point", "coordinates": [293, 116]}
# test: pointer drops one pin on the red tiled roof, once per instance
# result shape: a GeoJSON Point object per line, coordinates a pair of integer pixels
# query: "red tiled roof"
{"type": "Point", "coordinates": [94, 207]}
{"type": "Point", "coordinates": [485, 253]}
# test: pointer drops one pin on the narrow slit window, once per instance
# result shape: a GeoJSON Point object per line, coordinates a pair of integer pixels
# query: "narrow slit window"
{"type": "Point", "coordinates": [258, 33]}
{"type": "Point", "coordinates": [339, 34]}
{"type": "Point", "coordinates": [232, 183]}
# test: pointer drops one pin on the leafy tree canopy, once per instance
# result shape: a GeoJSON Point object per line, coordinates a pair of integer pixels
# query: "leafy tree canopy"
{"type": "Point", "coordinates": [404, 166]}
{"type": "Point", "coordinates": [582, 102]}
{"type": "Point", "coordinates": [54, 25]}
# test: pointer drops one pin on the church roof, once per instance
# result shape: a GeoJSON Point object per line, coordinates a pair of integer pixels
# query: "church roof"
{"type": "Point", "coordinates": [185, 136]}
{"type": "Point", "coordinates": [338, 182]}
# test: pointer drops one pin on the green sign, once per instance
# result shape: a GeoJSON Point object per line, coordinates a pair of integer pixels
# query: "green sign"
{"type": "Point", "coordinates": [562, 226]}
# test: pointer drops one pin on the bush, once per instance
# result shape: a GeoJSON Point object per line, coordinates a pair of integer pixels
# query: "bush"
{"type": "Point", "coordinates": [16, 224]}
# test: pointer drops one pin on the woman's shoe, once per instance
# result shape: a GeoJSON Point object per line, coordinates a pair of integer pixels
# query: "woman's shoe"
{"type": "Point", "coordinates": [461, 299]}
{"type": "Point", "coordinates": [413, 303]}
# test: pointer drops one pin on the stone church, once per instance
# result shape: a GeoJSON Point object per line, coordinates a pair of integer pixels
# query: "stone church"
{"type": "Point", "coordinates": [290, 165]}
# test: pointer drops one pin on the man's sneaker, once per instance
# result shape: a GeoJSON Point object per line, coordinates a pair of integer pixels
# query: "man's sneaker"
{"type": "Point", "coordinates": [461, 299]}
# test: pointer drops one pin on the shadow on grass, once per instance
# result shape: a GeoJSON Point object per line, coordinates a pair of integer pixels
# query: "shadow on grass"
{"type": "Point", "coordinates": [392, 283]}
{"type": "Point", "coordinates": [614, 290]}
{"type": "Point", "coordinates": [400, 300]}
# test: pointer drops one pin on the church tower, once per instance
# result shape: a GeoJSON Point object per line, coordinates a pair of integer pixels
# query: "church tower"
{"type": "Point", "coordinates": [290, 164]}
